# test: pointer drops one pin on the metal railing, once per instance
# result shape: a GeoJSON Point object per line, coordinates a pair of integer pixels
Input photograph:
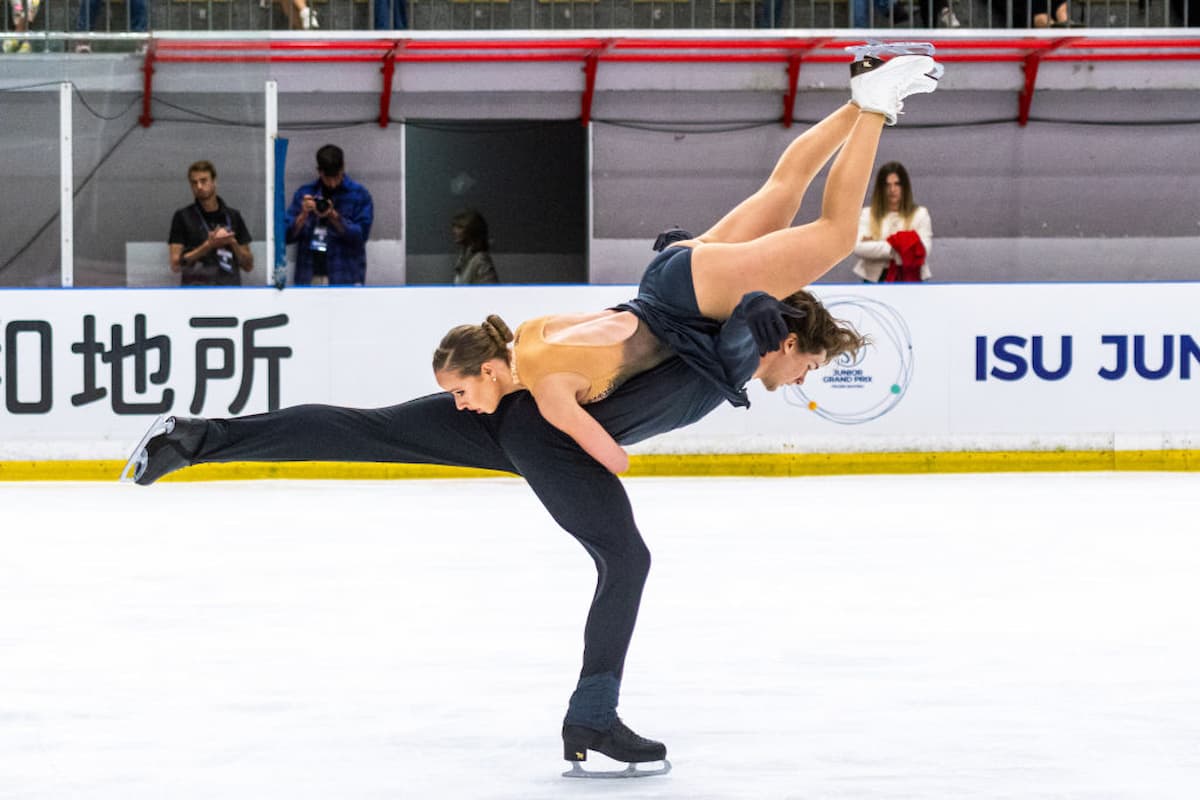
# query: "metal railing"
{"type": "Point", "coordinates": [23, 22]}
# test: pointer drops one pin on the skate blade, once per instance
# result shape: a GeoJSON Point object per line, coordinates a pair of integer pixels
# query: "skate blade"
{"type": "Point", "coordinates": [631, 771]}
{"type": "Point", "coordinates": [876, 48]}
{"type": "Point", "coordinates": [137, 459]}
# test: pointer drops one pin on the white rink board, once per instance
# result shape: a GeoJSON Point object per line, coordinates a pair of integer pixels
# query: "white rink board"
{"type": "Point", "coordinates": [975, 366]}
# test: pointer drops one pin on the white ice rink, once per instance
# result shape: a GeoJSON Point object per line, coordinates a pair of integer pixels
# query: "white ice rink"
{"type": "Point", "coordinates": [949, 637]}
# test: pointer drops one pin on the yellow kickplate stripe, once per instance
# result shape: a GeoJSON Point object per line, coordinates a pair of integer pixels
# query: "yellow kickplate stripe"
{"type": "Point", "coordinates": [799, 464]}
{"type": "Point", "coordinates": [717, 464]}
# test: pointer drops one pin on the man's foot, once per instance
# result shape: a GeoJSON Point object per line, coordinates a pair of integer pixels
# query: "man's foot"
{"type": "Point", "coordinates": [881, 86]}
{"type": "Point", "coordinates": [618, 743]}
{"type": "Point", "coordinates": [170, 444]}
{"type": "Point", "coordinates": [308, 19]}
{"type": "Point", "coordinates": [947, 19]}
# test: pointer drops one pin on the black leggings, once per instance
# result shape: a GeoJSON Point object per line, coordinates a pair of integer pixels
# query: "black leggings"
{"type": "Point", "coordinates": [581, 495]}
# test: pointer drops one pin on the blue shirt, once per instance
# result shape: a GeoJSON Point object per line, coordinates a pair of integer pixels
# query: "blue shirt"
{"type": "Point", "coordinates": [346, 250]}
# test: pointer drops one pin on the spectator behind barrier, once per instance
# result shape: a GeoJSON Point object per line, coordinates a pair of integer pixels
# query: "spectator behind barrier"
{"type": "Point", "coordinates": [89, 15]}
{"type": "Point", "coordinates": [299, 15]}
{"type": "Point", "coordinates": [895, 234]}
{"type": "Point", "coordinates": [329, 220]}
{"type": "Point", "coordinates": [208, 242]}
{"type": "Point", "coordinates": [1034, 14]}
{"type": "Point", "coordinates": [23, 13]}
{"type": "Point", "coordinates": [391, 15]}
{"type": "Point", "coordinates": [474, 261]}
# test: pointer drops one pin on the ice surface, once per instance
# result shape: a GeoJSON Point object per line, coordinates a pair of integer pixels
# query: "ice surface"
{"type": "Point", "coordinates": [950, 637]}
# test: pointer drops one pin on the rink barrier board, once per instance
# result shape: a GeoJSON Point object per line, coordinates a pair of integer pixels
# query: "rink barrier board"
{"type": "Point", "coordinates": [766, 465]}
{"type": "Point", "coordinates": [954, 369]}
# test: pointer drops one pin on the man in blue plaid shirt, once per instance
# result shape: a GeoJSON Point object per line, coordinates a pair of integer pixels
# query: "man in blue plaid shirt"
{"type": "Point", "coordinates": [329, 220]}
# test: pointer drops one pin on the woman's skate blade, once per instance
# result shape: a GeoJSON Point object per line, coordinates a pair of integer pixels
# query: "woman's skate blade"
{"type": "Point", "coordinates": [130, 472]}
{"type": "Point", "coordinates": [877, 48]}
{"type": "Point", "coordinates": [630, 771]}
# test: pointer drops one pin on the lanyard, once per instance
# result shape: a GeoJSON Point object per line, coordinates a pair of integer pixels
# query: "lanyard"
{"type": "Point", "coordinates": [204, 222]}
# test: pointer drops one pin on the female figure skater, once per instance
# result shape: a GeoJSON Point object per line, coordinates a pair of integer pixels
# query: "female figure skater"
{"type": "Point", "coordinates": [582, 495]}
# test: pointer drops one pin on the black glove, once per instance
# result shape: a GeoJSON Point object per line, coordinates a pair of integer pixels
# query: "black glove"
{"type": "Point", "coordinates": [766, 319]}
{"type": "Point", "coordinates": [669, 237]}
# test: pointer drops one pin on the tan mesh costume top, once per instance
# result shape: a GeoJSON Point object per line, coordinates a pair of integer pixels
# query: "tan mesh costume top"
{"type": "Point", "coordinates": [604, 366]}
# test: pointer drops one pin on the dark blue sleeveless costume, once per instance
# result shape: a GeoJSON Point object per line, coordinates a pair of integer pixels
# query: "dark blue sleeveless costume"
{"type": "Point", "coordinates": [723, 353]}
{"type": "Point", "coordinates": [587, 500]}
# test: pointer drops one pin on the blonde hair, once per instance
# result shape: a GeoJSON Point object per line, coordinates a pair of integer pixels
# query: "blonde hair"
{"type": "Point", "coordinates": [466, 348]}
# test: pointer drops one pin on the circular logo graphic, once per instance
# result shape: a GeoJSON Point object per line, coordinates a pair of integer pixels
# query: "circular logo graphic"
{"type": "Point", "coordinates": [856, 389]}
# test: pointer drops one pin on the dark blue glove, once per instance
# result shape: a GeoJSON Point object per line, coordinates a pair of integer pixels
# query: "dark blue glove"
{"type": "Point", "coordinates": [766, 320]}
{"type": "Point", "coordinates": [669, 237]}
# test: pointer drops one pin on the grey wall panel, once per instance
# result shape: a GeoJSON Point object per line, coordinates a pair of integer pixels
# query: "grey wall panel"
{"type": "Point", "coordinates": [29, 231]}
{"type": "Point", "coordinates": [1045, 181]}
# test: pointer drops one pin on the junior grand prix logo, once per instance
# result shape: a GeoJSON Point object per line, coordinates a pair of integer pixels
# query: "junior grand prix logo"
{"type": "Point", "coordinates": [854, 390]}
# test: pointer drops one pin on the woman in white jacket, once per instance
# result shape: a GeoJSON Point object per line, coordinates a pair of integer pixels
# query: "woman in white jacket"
{"type": "Point", "coordinates": [892, 210]}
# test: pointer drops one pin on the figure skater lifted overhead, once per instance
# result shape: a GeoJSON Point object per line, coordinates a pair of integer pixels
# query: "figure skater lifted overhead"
{"type": "Point", "coordinates": [736, 271]}
{"type": "Point", "coordinates": [711, 313]}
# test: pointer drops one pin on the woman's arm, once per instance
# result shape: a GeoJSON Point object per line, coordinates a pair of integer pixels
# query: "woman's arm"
{"type": "Point", "coordinates": [556, 396]}
{"type": "Point", "coordinates": [868, 248]}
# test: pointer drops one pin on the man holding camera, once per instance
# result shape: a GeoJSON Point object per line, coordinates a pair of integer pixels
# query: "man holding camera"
{"type": "Point", "coordinates": [329, 220]}
{"type": "Point", "coordinates": [208, 242]}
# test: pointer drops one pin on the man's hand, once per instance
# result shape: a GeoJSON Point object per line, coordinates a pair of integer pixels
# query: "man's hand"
{"type": "Point", "coordinates": [221, 237]}
{"type": "Point", "coordinates": [331, 216]}
{"type": "Point", "coordinates": [766, 319]}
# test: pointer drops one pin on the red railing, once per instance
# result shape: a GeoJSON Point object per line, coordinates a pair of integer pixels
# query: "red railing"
{"type": "Point", "coordinates": [592, 51]}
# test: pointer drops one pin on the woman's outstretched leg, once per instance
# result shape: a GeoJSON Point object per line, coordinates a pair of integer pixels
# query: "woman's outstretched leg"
{"type": "Point", "coordinates": [784, 261]}
{"type": "Point", "coordinates": [775, 204]}
{"type": "Point", "coordinates": [428, 430]}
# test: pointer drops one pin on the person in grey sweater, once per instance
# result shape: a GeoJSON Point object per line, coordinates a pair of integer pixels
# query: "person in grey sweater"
{"type": "Point", "coordinates": [474, 263]}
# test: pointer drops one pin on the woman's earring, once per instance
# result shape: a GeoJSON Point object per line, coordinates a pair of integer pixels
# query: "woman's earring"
{"type": "Point", "coordinates": [493, 379]}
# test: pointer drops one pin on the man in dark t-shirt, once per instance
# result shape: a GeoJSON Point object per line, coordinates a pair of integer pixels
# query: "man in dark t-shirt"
{"type": "Point", "coordinates": [209, 242]}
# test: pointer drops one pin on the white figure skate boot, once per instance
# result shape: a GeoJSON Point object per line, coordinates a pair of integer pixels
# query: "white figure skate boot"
{"type": "Point", "coordinates": [881, 86]}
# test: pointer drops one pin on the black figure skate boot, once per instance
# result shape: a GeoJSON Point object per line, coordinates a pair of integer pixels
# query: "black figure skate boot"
{"type": "Point", "coordinates": [170, 444]}
{"type": "Point", "coordinates": [618, 743]}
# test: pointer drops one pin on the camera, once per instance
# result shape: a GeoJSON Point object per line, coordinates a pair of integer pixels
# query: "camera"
{"type": "Point", "coordinates": [323, 204]}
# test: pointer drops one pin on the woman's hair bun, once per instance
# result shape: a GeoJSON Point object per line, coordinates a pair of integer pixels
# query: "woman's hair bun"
{"type": "Point", "coordinates": [498, 330]}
